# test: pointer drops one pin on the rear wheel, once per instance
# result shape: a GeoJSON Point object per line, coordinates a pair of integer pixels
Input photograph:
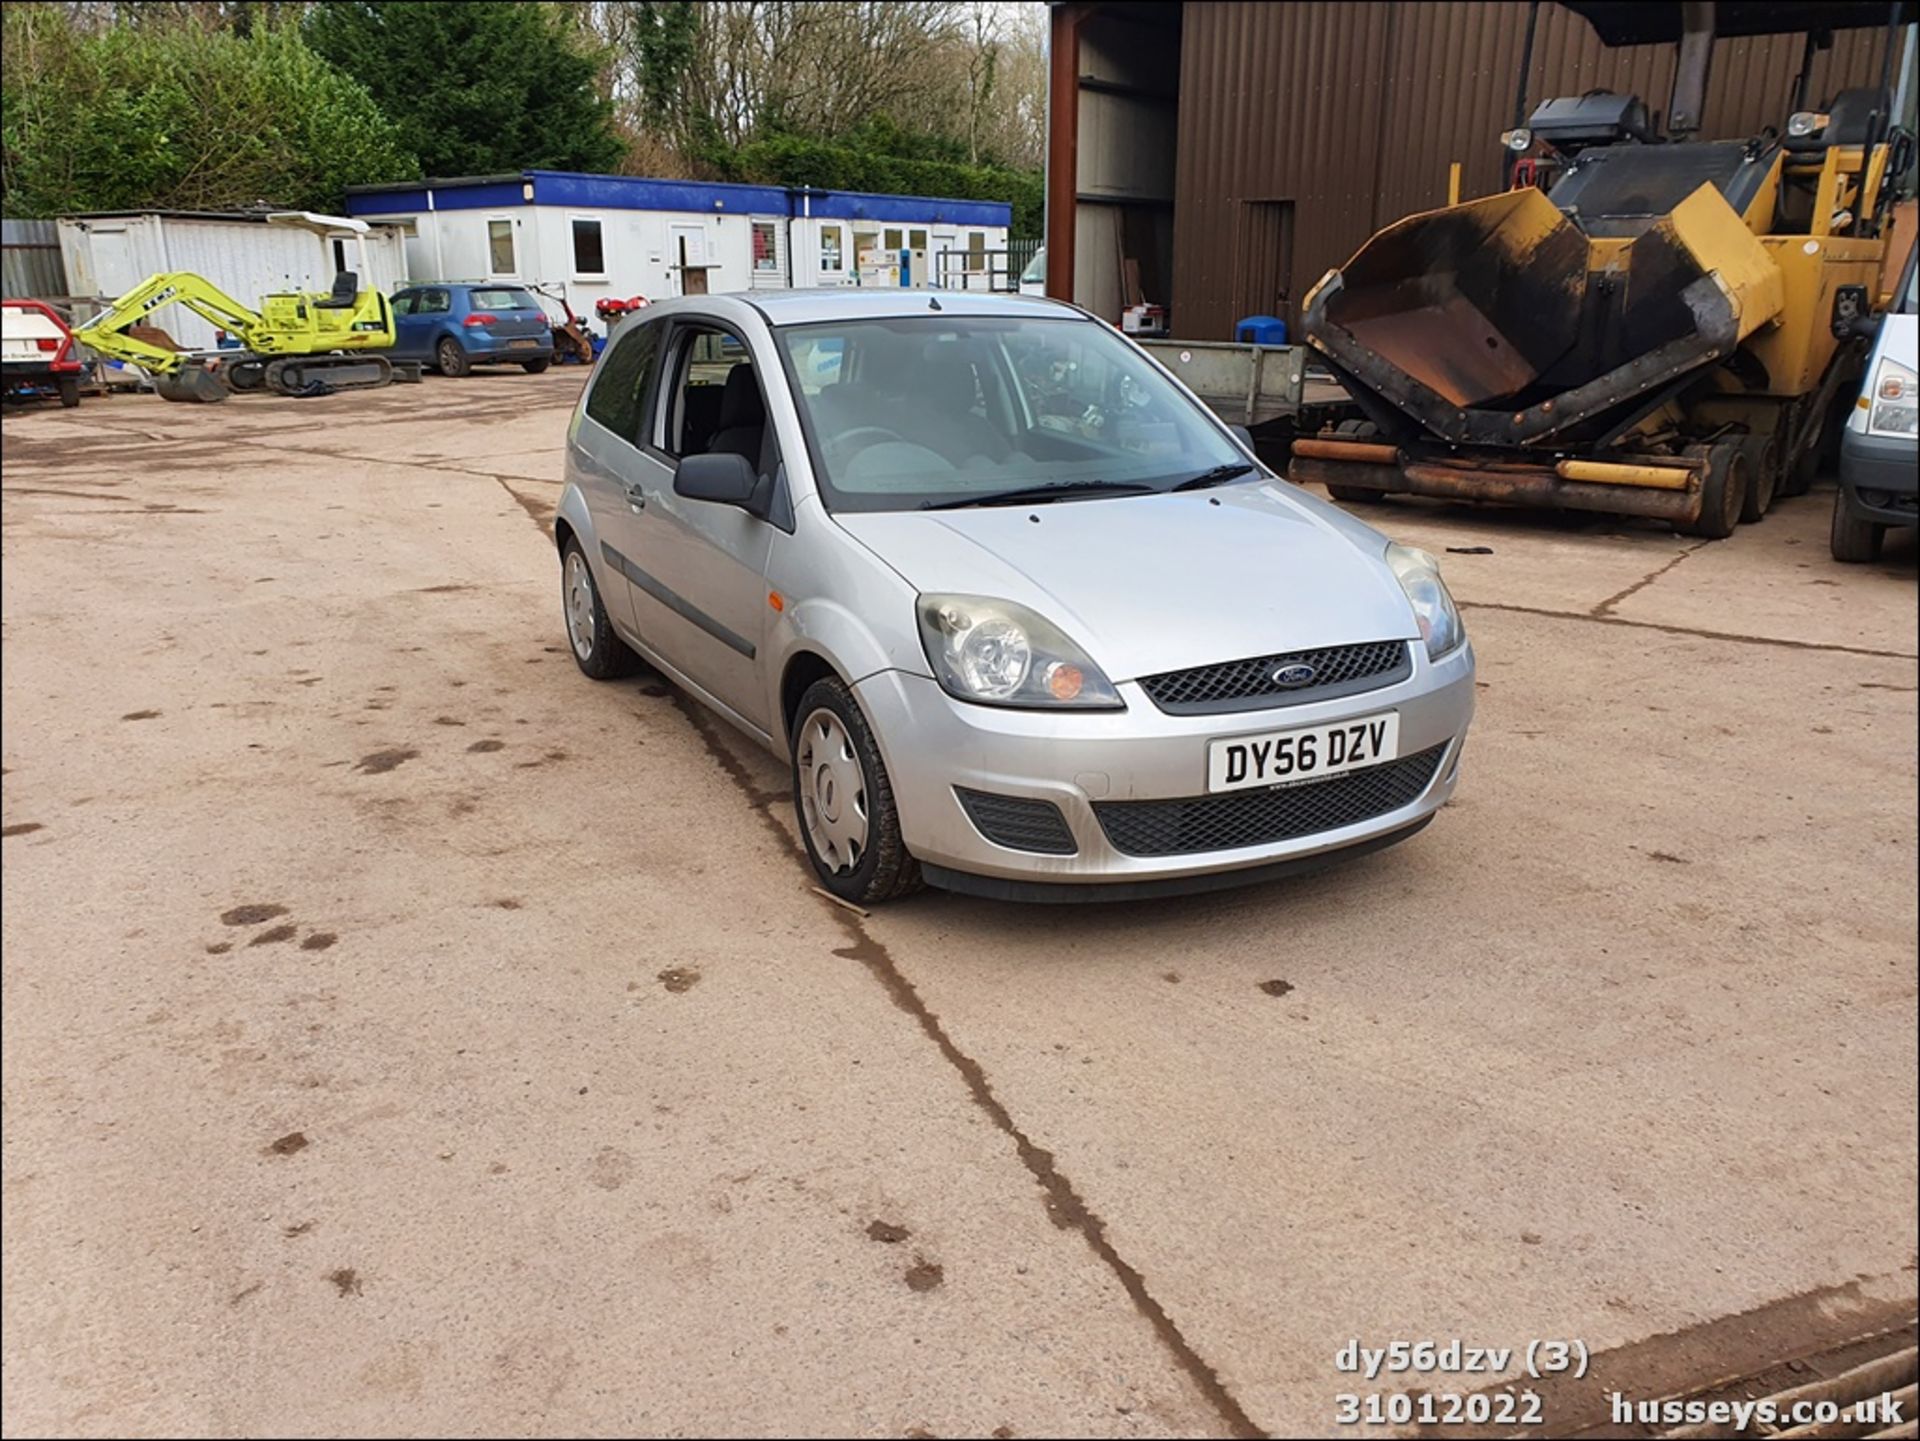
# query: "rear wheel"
{"type": "Point", "coordinates": [845, 801]}
{"type": "Point", "coordinates": [534, 367]}
{"type": "Point", "coordinates": [451, 359]}
{"type": "Point", "coordinates": [1763, 454]}
{"type": "Point", "coordinates": [1853, 539]}
{"type": "Point", "coordinates": [598, 651]}
{"type": "Point", "coordinates": [69, 388]}
{"type": "Point", "coordinates": [1729, 470]}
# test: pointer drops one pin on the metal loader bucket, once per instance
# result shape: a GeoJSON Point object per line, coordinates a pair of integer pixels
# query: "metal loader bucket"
{"type": "Point", "coordinates": [1498, 322]}
{"type": "Point", "coordinates": [193, 382]}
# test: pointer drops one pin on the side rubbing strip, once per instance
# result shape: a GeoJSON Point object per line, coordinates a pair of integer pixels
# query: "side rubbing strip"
{"type": "Point", "coordinates": [676, 602]}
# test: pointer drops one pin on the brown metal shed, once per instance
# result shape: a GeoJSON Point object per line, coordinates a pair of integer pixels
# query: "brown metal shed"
{"type": "Point", "coordinates": [1235, 152]}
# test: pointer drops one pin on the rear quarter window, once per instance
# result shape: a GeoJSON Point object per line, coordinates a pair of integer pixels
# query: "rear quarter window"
{"type": "Point", "coordinates": [623, 379]}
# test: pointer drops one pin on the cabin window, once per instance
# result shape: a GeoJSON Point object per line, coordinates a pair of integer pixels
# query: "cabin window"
{"type": "Point", "coordinates": [500, 247]}
{"type": "Point", "coordinates": [766, 248]}
{"type": "Point", "coordinates": [589, 258]}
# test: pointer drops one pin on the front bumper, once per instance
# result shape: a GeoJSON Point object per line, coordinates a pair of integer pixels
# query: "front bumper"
{"type": "Point", "coordinates": [1881, 477]}
{"type": "Point", "coordinates": [933, 743]}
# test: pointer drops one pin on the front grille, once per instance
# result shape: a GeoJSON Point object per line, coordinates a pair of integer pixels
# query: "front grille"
{"type": "Point", "coordinates": [1262, 817]}
{"type": "Point", "coordinates": [1236, 685]}
{"type": "Point", "coordinates": [1018, 823]}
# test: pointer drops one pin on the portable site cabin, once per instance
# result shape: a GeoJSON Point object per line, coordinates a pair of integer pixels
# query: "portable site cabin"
{"type": "Point", "coordinates": [613, 236]}
{"type": "Point", "coordinates": [107, 255]}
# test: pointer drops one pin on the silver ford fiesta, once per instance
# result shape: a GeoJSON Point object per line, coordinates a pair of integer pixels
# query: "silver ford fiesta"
{"type": "Point", "coordinates": [1023, 617]}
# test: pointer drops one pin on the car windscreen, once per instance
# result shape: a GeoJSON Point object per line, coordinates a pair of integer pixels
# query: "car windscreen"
{"type": "Point", "coordinates": [1036, 271]}
{"type": "Point", "coordinates": [904, 414]}
{"type": "Point", "coordinates": [503, 297]}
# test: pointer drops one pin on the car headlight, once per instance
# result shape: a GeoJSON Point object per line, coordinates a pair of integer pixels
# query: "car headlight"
{"type": "Point", "coordinates": [1896, 400]}
{"type": "Point", "coordinates": [999, 653]}
{"type": "Point", "coordinates": [1438, 617]}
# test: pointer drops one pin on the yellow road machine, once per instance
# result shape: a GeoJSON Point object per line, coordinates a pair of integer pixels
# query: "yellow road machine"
{"type": "Point", "coordinates": [1646, 323]}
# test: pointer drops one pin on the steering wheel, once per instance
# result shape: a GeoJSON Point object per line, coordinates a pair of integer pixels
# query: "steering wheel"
{"type": "Point", "coordinates": [861, 436]}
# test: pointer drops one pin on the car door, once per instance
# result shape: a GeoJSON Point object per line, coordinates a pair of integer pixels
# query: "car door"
{"type": "Point", "coordinates": [432, 311]}
{"type": "Point", "coordinates": [698, 578]}
{"type": "Point", "coordinates": [611, 464]}
{"type": "Point", "coordinates": [402, 305]}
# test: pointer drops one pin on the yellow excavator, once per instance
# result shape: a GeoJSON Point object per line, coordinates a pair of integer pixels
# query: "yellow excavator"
{"type": "Point", "coordinates": [1646, 323]}
{"type": "Point", "coordinates": [294, 344]}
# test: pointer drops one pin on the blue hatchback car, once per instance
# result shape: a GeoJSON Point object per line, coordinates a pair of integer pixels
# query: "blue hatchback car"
{"type": "Point", "coordinates": [459, 325]}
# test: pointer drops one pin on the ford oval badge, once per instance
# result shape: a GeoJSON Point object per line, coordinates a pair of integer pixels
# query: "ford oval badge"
{"type": "Point", "coordinates": [1292, 677]}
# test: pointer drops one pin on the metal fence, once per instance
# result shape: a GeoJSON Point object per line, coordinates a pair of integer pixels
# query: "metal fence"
{"type": "Point", "coordinates": [30, 260]}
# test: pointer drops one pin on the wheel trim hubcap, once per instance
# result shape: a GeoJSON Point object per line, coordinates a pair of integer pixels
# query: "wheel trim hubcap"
{"type": "Point", "coordinates": [833, 792]}
{"type": "Point", "coordinates": [579, 605]}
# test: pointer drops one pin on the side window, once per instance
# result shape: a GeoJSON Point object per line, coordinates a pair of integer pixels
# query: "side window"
{"type": "Point", "coordinates": [500, 247]}
{"type": "Point", "coordinates": [830, 248]}
{"type": "Point", "coordinates": [708, 408]}
{"type": "Point", "coordinates": [588, 256]}
{"type": "Point", "coordinates": [766, 246]}
{"type": "Point", "coordinates": [622, 380]}
{"type": "Point", "coordinates": [403, 302]}
{"type": "Point", "coordinates": [976, 250]}
{"type": "Point", "coordinates": [435, 302]}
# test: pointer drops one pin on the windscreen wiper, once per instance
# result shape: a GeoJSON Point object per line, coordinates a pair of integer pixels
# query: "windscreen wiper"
{"type": "Point", "coordinates": [1219, 475]}
{"type": "Point", "coordinates": [1041, 494]}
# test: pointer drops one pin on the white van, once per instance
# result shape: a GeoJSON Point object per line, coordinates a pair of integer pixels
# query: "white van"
{"type": "Point", "coordinates": [1880, 449]}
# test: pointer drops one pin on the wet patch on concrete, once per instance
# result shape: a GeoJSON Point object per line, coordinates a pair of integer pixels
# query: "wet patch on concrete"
{"type": "Point", "coordinates": [219, 948]}
{"type": "Point", "coordinates": [345, 1280]}
{"type": "Point", "coordinates": [318, 941]}
{"type": "Point", "coordinates": [251, 915]}
{"type": "Point", "coordinates": [380, 762]}
{"type": "Point", "coordinates": [1276, 988]}
{"type": "Point", "coordinates": [21, 828]}
{"type": "Point", "coordinates": [887, 1233]}
{"type": "Point", "coordinates": [141, 715]}
{"type": "Point", "coordinates": [924, 1275]}
{"type": "Point", "coordinates": [273, 935]}
{"type": "Point", "coordinates": [288, 1144]}
{"type": "Point", "coordinates": [679, 979]}
{"type": "Point", "coordinates": [486, 747]}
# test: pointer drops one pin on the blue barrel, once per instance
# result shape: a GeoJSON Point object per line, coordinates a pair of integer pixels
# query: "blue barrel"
{"type": "Point", "coordinates": [1261, 330]}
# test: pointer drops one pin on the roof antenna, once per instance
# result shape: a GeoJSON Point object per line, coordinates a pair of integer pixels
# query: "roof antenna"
{"type": "Point", "coordinates": [933, 302]}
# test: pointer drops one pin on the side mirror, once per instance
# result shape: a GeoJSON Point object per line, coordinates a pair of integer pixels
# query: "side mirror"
{"type": "Point", "coordinates": [1864, 327]}
{"type": "Point", "coordinates": [724, 479]}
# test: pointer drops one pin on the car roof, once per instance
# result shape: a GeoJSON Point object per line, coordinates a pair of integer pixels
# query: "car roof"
{"type": "Point", "coordinates": [806, 307]}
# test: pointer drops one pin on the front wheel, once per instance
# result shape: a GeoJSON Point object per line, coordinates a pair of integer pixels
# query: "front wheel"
{"type": "Point", "coordinates": [600, 653]}
{"type": "Point", "coordinates": [451, 359]}
{"type": "Point", "coordinates": [1723, 491]}
{"type": "Point", "coordinates": [1854, 540]}
{"type": "Point", "coordinates": [844, 799]}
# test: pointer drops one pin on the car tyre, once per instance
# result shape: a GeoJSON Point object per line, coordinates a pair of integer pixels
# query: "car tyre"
{"type": "Point", "coordinates": [451, 359]}
{"type": "Point", "coordinates": [535, 367]}
{"type": "Point", "coordinates": [598, 652]}
{"type": "Point", "coordinates": [1853, 539]}
{"type": "Point", "coordinates": [69, 388]}
{"type": "Point", "coordinates": [844, 800]}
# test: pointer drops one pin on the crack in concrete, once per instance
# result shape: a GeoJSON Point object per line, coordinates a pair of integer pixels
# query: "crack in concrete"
{"type": "Point", "coordinates": [1692, 631]}
{"type": "Point", "coordinates": [1606, 606]}
{"type": "Point", "coordinates": [1065, 1206]}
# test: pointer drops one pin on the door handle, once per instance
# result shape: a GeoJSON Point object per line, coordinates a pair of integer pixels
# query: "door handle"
{"type": "Point", "coordinates": [636, 497]}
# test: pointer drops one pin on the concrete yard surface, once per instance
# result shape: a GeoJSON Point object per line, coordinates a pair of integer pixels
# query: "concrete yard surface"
{"type": "Point", "coordinates": [405, 1034]}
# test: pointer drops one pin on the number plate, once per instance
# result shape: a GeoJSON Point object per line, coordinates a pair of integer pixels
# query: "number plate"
{"type": "Point", "coordinates": [523, 344]}
{"type": "Point", "coordinates": [1310, 753]}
